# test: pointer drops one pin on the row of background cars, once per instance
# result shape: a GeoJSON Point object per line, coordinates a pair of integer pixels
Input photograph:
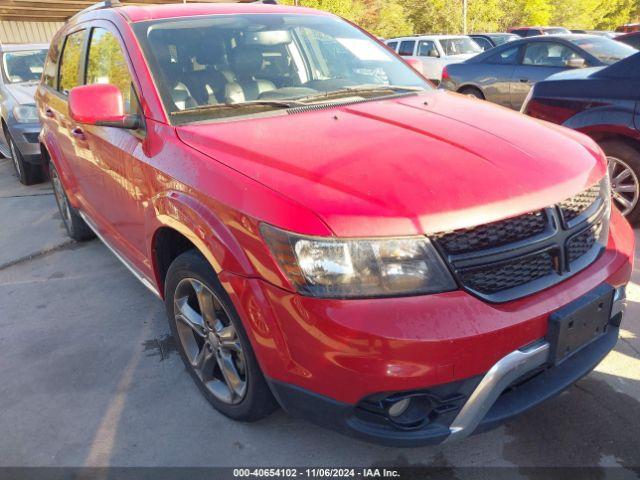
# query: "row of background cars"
{"type": "Point", "coordinates": [585, 80]}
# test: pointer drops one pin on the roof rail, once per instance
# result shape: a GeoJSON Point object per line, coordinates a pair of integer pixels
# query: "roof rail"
{"type": "Point", "coordinates": [117, 3]}
{"type": "Point", "coordinates": [98, 6]}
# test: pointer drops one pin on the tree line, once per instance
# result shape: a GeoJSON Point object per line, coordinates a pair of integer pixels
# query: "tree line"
{"type": "Point", "coordinates": [389, 18]}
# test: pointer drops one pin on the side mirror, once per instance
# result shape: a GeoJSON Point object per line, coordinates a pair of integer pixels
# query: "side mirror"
{"type": "Point", "coordinates": [416, 65]}
{"type": "Point", "coordinates": [576, 62]}
{"type": "Point", "coordinates": [434, 53]}
{"type": "Point", "coordinates": [100, 104]}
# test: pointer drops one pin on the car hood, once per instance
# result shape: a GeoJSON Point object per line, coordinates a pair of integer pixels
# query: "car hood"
{"type": "Point", "coordinates": [411, 165]}
{"type": "Point", "coordinates": [23, 93]}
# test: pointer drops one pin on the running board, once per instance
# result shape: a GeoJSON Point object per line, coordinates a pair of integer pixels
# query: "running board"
{"type": "Point", "coordinates": [142, 278]}
{"type": "Point", "coordinates": [4, 150]}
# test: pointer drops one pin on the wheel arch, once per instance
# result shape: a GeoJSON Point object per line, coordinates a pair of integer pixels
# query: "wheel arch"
{"type": "Point", "coordinates": [600, 136]}
{"type": "Point", "coordinates": [469, 86]}
{"type": "Point", "coordinates": [181, 223]}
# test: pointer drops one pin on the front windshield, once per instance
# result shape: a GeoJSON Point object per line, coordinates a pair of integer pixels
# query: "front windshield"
{"type": "Point", "coordinates": [23, 66]}
{"type": "Point", "coordinates": [459, 46]}
{"type": "Point", "coordinates": [228, 65]}
{"type": "Point", "coordinates": [604, 49]}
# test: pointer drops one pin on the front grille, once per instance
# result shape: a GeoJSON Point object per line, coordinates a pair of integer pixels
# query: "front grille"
{"type": "Point", "coordinates": [511, 258]}
{"type": "Point", "coordinates": [583, 242]}
{"type": "Point", "coordinates": [494, 234]}
{"type": "Point", "coordinates": [574, 206]}
{"type": "Point", "coordinates": [511, 274]}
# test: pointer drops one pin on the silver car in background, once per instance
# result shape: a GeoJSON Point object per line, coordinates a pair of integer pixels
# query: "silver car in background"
{"type": "Point", "coordinates": [435, 51]}
{"type": "Point", "coordinates": [21, 71]}
{"type": "Point", "coordinates": [505, 74]}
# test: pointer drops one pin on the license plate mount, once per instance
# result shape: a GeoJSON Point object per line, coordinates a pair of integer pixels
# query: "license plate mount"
{"type": "Point", "coordinates": [579, 323]}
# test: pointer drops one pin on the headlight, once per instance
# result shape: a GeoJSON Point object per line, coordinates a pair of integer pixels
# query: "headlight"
{"type": "Point", "coordinates": [25, 113]}
{"type": "Point", "coordinates": [367, 267]}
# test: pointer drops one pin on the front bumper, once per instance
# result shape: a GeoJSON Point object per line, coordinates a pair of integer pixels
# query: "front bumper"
{"type": "Point", "coordinates": [25, 135]}
{"type": "Point", "coordinates": [324, 358]}
{"type": "Point", "coordinates": [489, 400]}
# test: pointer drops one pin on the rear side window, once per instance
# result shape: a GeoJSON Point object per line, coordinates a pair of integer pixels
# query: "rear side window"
{"type": "Point", "coordinates": [406, 47]}
{"type": "Point", "coordinates": [392, 45]}
{"type": "Point", "coordinates": [70, 62]}
{"type": "Point", "coordinates": [49, 74]}
{"type": "Point", "coordinates": [505, 57]}
{"type": "Point", "coordinates": [107, 64]}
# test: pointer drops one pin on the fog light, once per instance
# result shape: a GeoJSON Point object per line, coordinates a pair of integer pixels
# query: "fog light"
{"type": "Point", "coordinates": [399, 407]}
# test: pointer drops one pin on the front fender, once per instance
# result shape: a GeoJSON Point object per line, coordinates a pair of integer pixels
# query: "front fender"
{"type": "Point", "coordinates": [598, 122]}
{"type": "Point", "coordinates": [209, 234]}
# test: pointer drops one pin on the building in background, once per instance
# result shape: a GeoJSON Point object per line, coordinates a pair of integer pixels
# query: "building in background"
{"type": "Point", "coordinates": [36, 21]}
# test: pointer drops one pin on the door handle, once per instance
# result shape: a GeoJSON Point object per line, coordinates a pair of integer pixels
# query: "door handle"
{"type": "Point", "coordinates": [524, 80]}
{"type": "Point", "coordinates": [49, 113]}
{"type": "Point", "coordinates": [78, 133]}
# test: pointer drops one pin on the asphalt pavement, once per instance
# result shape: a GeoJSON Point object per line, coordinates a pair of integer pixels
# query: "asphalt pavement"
{"type": "Point", "coordinates": [89, 376]}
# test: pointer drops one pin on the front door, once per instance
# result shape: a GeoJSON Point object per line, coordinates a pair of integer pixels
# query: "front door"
{"type": "Point", "coordinates": [540, 60]}
{"type": "Point", "coordinates": [116, 189]}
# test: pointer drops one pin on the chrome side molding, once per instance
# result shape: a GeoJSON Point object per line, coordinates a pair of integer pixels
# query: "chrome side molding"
{"type": "Point", "coordinates": [142, 278]}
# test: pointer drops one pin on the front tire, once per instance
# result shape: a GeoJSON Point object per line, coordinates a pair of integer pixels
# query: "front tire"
{"type": "Point", "coordinates": [28, 174]}
{"type": "Point", "coordinates": [212, 342]}
{"type": "Point", "coordinates": [624, 170]}
{"type": "Point", "coordinates": [76, 227]}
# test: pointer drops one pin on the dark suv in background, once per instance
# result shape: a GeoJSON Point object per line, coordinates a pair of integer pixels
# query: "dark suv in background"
{"type": "Point", "coordinates": [604, 103]}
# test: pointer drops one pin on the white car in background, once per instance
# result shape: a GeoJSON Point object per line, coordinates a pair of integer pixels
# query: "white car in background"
{"type": "Point", "coordinates": [435, 51]}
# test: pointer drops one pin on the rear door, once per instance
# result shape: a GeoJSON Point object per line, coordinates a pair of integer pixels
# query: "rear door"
{"type": "Point", "coordinates": [539, 61]}
{"type": "Point", "coordinates": [62, 73]}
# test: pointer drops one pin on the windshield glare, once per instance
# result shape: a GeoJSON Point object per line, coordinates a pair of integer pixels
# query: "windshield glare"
{"type": "Point", "coordinates": [206, 64]}
{"type": "Point", "coordinates": [23, 66]}
{"type": "Point", "coordinates": [604, 49]}
{"type": "Point", "coordinates": [459, 46]}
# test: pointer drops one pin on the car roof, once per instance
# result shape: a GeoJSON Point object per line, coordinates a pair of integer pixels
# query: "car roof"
{"type": "Point", "coordinates": [139, 13]}
{"type": "Point", "coordinates": [19, 47]}
{"type": "Point", "coordinates": [427, 37]}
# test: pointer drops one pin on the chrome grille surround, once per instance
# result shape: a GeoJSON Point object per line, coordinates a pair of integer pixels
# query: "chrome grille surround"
{"type": "Point", "coordinates": [512, 258]}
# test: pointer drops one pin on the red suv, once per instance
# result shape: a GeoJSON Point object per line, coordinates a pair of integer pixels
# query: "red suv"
{"type": "Point", "coordinates": [329, 232]}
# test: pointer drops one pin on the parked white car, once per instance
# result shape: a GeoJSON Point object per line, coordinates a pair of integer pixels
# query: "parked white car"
{"type": "Point", "coordinates": [435, 51]}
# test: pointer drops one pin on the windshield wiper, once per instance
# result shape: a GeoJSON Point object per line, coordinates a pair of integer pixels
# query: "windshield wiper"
{"type": "Point", "coordinates": [359, 89]}
{"type": "Point", "coordinates": [224, 106]}
{"type": "Point", "coordinates": [299, 101]}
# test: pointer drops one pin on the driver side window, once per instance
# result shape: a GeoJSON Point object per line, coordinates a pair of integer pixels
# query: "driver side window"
{"type": "Point", "coordinates": [549, 54]}
{"type": "Point", "coordinates": [107, 64]}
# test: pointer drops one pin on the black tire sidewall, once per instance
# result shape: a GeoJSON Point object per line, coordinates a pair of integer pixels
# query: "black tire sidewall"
{"type": "Point", "coordinates": [631, 156]}
{"type": "Point", "coordinates": [76, 227]}
{"type": "Point", "coordinates": [258, 401]}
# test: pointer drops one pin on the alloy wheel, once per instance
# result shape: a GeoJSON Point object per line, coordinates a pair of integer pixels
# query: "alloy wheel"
{"type": "Point", "coordinates": [210, 341]}
{"type": "Point", "coordinates": [61, 198]}
{"type": "Point", "coordinates": [625, 188]}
